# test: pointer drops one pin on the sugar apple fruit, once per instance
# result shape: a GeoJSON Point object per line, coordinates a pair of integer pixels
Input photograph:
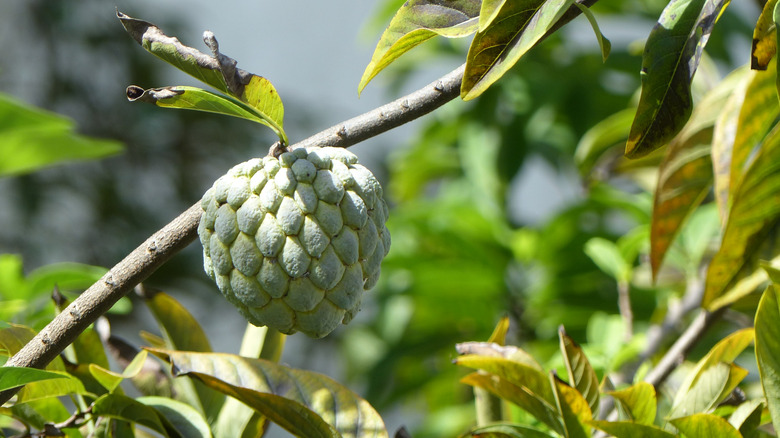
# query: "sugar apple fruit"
{"type": "Point", "coordinates": [294, 241]}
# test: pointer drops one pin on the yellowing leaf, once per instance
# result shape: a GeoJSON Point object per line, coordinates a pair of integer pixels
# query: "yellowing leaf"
{"type": "Point", "coordinates": [581, 373]}
{"type": "Point", "coordinates": [639, 401]}
{"type": "Point", "coordinates": [705, 426]}
{"type": "Point", "coordinates": [628, 429]}
{"type": "Point", "coordinates": [764, 42]}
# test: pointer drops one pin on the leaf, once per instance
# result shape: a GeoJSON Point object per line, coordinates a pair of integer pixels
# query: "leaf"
{"type": "Point", "coordinates": [517, 27]}
{"type": "Point", "coordinates": [182, 331]}
{"type": "Point", "coordinates": [488, 12]}
{"type": "Point", "coordinates": [604, 43]}
{"type": "Point", "coordinates": [747, 417]}
{"type": "Point", "coordinates": [712, 387]}
{"type": "Point", "coordinates": [499, 333]}
{"type": "Point", "coordinates": [508, 430]}
{"type": "Point", "coordinates": [489, 349]}
{"type": "Point", "coordinates": [671, 57]}
{"type": "Point", "coordinates": [581, 373]}
{"type": "Point", "coordinates": [753, 213]}
{"type": "Point", "coordinates": [764, 43]}
{"type": "Point", "coordinates": [573, 409]}
{"type": "Point", "coordinates": [217, 70]}
{"type": "Point", "coordinates": [685, 175]}
{"type": "Point", "coordinates": [523, 397]}
{"type": "Point", "coordinates": [601, 138]}
{"type": "Point", "coordinates": [125, 408]}
{"type": "Point", "coordinates": [197, 99]}
{"type": "Point", "coordinates": [628, 429]}
{"type": "Point", "coordinates": [65, 385]}
{"type": "Point", "coordinates": [606, 255]}
{"type": "Point", "coordinates": [303, 402]}
{"type": "Point", "coordinates": [416, 22]}
{"type": "Point", "coordinates": [705, 426]}
{"type": "Point", "coordinates": [183, 417]}
{"type": "Point", "coordinates": [517, 373]}
{"type": "Point", "coordinates": [111, 380]}
{"type": "Point", "coordinates": [768, 350]}
{"type": "Point", "coordinates": [14, 377]}
{"type": "Point", "coordinates": [726, 350]}
{"type": "Point", "coordinates": [639, 401]}
{"type": "Point", "coordinates": [31, 138]}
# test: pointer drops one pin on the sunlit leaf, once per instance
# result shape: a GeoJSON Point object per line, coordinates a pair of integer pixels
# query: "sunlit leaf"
{"type": "Point", "coordinates": [768, 350]}
{"type": "Point", "coordinates": [705, 426]}
{"type": "Point", "coordinates": [685, 175]}
{"type": "Point", "coordinates": [573, 409]}
{"type": "Point", "coordinates": [534, 380]}
{"type": "Point", "coordinates": [65, 385]}
{"type": "Point", "coordinates": [183, 417]}
{"type": "Point", "coordinates": [523, 397]}
{"type": "Point", "coordinates": [606, 255]}
{"type": "Point", "coordinates": [13, 377]}
{"type": "Point", "coordinates": [111, 380]}
{"type": "Point", "coordinates": [517, 27]}
{"type": "Point", "coordinates": [764, 42]}
{"type": "Point", "coordinates": [725, 351]}
{"type": "Point", "coordinates": [499, 333]}
{"type": "Point", "coordinates": [303, 402]}
{"type": "Point", "coordinates": [754, 211]}
{"type": "Point", "coordinates": [713, 386]}
{"type": "Point", "coordinates": [490, 349]}
{"type": "Point", "coordinates": [639, 401]}
{"type": "Point", "coordinates": [127, 409]}
{"type": "Point", "coordinates": [507, 430]}
{"type": "Point", "coordinates": [416, 22]}
{"type": "Point", "coordinates": [217, 70]}
{"type": "Point", "coordinates": [488, 12]}
{"type": "Point", "coordinates": [628, 429]}
{"type": "Point", "coordinates": [581, 373]}
{"type": "Point", "coordinates": [197, 99]}
{"type": "Point", "coordinates": [747, 416]}
{"type": "Point", "coordinates": [671, 57]}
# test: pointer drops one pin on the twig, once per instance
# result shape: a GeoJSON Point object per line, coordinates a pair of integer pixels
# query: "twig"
{"type": "Point", "coordinates": [175, 236]}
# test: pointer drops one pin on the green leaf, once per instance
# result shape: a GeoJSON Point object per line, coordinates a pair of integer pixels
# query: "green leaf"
{"type": "Point", "coordinates": [685, 175]}
{"type": "Point", "coordinates": [488, 12]}
{"type": "Point", "coordinates": [13, 377]}
{"type": "Point", "coordinates": [522, 396]}
{"type": "Point", "coordinates": [125, 408]}
{"type": "Point", "coordinates": [671, 56]}
{"type": "Point", "coordinates": [604, 43]}
{"type": "Point", "coordinates": [31, 138]}
{"type": "Point", "coordinates": [573, 408]}
{"type": "Point", "coordinates": [216, 70]}
{"type": "Point", "coordinates": [197, 99]}
{"type": "Point", "coordinates": [303, 402]}
{"type": "Point", "coordinates": [768, 350]}
{"type": "Point", "coordinates": [490, 349]}
{"type": "Point", "coordinates": [747, 417]}
{"type": "Point", "coordinates": [65, 385]}
{"type": "Point", "coordinates": [536, 381]}
{"type": "Point", "coordinates": [182, 331]}
{"type": "Point", "coordinates": [764, 42]}
{"type": "Point", "coordinates": [712, 387]}
{"type": "Point", "coordinates": [754, 211]}
{"type": "Point", "coordinates": [499, 333]}
{"type": "Point", "coordinates": [639, 401]}
{"type": "Point", "coordinates": [581, 373]}
{"type": "Point", "coordinates": [507, 430]}
{"type": "Point", "coordinates": [418, 21]}
{"type": "Point", "coordinates": [726, 350]}
{"type": "Point", "coordinates": [628, 429]}
{"type": "Point", "coordinates": [705, 426]}
{"type": "Point", "coordinates": [606, 255]}
{"type": "Point", "coordinates": [183, 417]}
{"type": "Point", "coordinates": [517, 27]}
{"type": "Point", "coordinates": [111, 380]}
{"type": "Point", "coordinates": [601, 138]}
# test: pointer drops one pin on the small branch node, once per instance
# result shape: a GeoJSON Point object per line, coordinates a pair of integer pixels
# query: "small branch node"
{"type": "Point", "coordinates": [342, 132]}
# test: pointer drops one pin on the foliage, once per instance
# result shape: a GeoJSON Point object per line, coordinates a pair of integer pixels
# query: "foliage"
{"type": "Point", "coordinates": [685, 165]}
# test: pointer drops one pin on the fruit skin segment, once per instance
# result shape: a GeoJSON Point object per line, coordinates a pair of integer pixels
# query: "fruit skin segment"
{"type": "Point", "coordinates": [294, 241]}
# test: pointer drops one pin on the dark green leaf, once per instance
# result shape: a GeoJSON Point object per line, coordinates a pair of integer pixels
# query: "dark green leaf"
{"type": "Point", "coordinates": [672, 54]}
{"type": "Point", "coordinates": [197, 99]}
{"type": "Point", "coordinates": [764, 42]}
{"type": "Point", "coordinates": [127, 409]}
{"type": "Point", "coordinates": [754, 211]}
{"type": "Point", "coordinates": [705, 426]}
{"type": "Point", "coordinates": [416, 22]}
{"type": "Point", "coordinates": [13, 377]}
{"type": "Point", "coordinates": [183, 417]}
{"type": "Point", "coordinates": [639, 401]}
{"type": "Point", "coordinates": [768, 350]}
{"type": "Point", "coordinates": [628, 429]}
{"type": "Point", "coordinates": [303, 402]}
{"type": "Point", "coordinates": [517, 27]}
{"type": "Point", "coordinates": [31, 138]}
{"type": "Point", "coordinates": [601, 138]}
{"type": "Point", "coordinates": [581, 373]}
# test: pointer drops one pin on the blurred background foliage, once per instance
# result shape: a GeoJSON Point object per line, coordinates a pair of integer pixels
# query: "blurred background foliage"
{"type": "Point", "coordinates": [493, 203]}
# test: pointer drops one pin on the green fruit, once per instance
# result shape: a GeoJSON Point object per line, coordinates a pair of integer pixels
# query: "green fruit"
{"type": "Point", "coordinates": [294, 241]}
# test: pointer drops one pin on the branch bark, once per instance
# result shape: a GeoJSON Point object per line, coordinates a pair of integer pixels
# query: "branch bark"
{"type": "Point", "coordinates": [175, 236]}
